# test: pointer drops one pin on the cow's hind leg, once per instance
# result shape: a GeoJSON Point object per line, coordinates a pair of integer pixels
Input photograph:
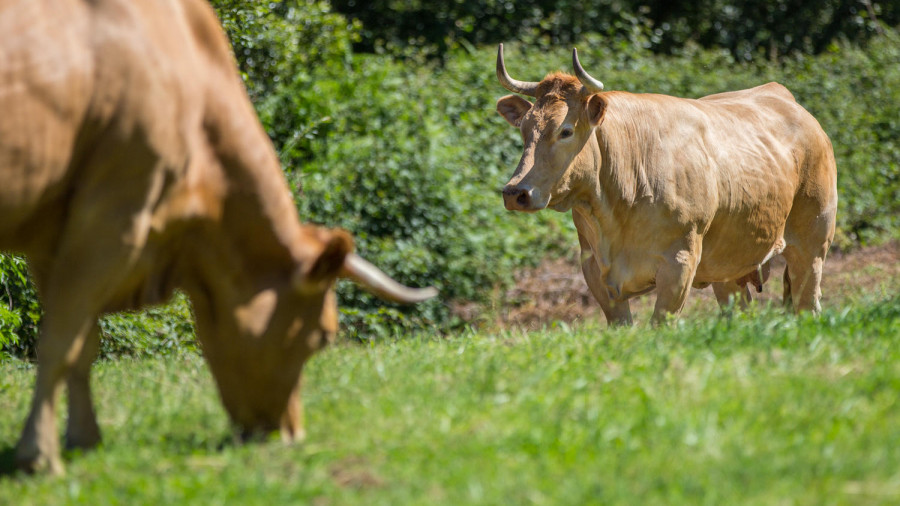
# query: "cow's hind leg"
{"type": "Point", "coordinates": [82, 430]}
{"type": "Point", "coordinates": [730, 294]}
{"type": "Point", "coordinates": [809, 231]}
{"type": "Point", "coordinates": [787, 299]}
{"type": "Point", "coordinates": [805, 258]}
{"type": "Point", "coordinates": [804, 278]}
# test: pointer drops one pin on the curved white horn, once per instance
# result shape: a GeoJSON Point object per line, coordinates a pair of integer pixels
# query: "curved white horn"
{"type": "Point", "coordinates": [593, 85]}
{"type": "Point", "coordinates": [372, 279]}
{"type": "Point", "coordinates": [524, 87]}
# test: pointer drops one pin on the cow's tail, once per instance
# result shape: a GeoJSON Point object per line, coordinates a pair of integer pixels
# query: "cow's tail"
{"type": "Point", "coordinates": [788, 302]}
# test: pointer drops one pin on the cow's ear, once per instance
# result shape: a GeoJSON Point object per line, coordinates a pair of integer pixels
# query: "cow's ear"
{"type": "Point", "coordinates": [325, 268]}
{"type": "Point", "coordinates": [513, 108]}
{"type": "Point", "coordinates": [596, 108]}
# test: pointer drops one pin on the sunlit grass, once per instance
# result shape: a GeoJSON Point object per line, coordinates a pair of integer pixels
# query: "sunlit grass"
{"type": "Point", "coordinates": [759, 408]}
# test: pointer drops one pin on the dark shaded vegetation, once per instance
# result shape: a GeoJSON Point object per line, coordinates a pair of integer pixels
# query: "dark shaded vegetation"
{"type": "Point", "coordinates": [748, 29]}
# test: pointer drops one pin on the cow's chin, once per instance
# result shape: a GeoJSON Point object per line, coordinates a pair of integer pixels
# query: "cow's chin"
{"type": "Point", "coordinates": [288, 424]}
{"type": "Point", "coordinates": [261, 389]}
{"type": "Point", "coordinates": [256, 416]}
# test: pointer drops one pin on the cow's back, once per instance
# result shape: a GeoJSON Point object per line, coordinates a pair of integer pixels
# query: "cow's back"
{"type": "Point", "coordinates": [718, 164]}
{"type": "Point", "coordinates": [92, 99]}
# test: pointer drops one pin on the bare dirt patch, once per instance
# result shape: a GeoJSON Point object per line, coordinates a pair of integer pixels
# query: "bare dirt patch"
{"type": "Point", "coordinates": [356, 473]}
{"type": "Point", "coordinates": [556, 291]}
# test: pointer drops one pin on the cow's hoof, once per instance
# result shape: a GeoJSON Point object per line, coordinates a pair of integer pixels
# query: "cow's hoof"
{"type": "Point", "coordinates": [39, 463]}
{"type": "Point", "coordinates": [297, 435]}
{"type": "Point", "coordinates": [83, 440]}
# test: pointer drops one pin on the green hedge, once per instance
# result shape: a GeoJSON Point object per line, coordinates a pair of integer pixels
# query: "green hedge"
{"type": "Point", "coordinates": [20, 310]}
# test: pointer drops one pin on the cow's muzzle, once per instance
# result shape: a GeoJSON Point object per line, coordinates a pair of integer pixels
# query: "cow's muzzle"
{"type": "Point", "coordinates": [519, 198]}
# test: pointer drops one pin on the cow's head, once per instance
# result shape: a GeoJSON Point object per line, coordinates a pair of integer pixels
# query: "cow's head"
{"type": "Point", "coordinates": [259, 325]}
{"type": "Point", "coordinates": [555, 130]}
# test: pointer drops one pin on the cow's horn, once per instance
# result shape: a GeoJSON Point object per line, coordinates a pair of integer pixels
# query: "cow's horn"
{"type": "Point", "coordinates": [372, 279]}
{"type": "Point", "coordinates": [524, 87]}
{"type": "Point", "coordinates": [589, 82]}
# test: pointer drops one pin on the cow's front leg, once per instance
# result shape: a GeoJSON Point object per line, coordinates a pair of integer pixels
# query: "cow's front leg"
{"type": "Point", "coordinates": [292, 430]}
{"type": "Point", "coordinates": [61, 343]}
{"type": "Point", "coordinates": [82, 430]}
{"type": "Point", "coordinates": [616, 312]}
{"type": "Point", "coordinates": [674, 279]}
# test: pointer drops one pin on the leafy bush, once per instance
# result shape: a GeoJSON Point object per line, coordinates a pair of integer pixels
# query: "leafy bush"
{"type": "Point", "coordinates": [20, 310]}
{"type": "Point", "coordinates": [279, 46]}
{"type": "Point", "coordinates": [155, 331]}
{"type": "Point", "coordinates": [275, 42]}
{"type": "Point", "coordinates": [855, 94]}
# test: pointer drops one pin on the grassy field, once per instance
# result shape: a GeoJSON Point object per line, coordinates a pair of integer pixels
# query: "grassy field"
{"type": "Point", "coordinates": [759, 408]}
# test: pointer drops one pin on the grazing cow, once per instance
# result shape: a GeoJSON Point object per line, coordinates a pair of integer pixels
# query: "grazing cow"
{"type": "Point", "coordinates": [132, 163]}
{"type": "Point", "coordinates": [670, 192]}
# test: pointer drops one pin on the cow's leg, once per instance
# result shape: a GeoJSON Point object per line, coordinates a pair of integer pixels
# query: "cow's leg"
{"type": "Point", "coordinates": [62, 340]}
{"type": "Point", "coordinates": [805, 258]}
{"type": "Point", "coordinates": [808, 232]}
{"type": "Point", "coordinates": [787, 299]}
{"type": "Point", "coordinates": [617, 313]}
{"type": "Point", "coordinates": [75, 291]}
{"type": "Point", "coordinates": [292, 430]}
{"type": "Point", "coordinates": [804, 278]}
{"type": "Point", "coordinates": [730, 292]}
{"type": "Point", "coordinates": [674, 279]}
{"type": "Point", "coordinates": [82, 430]}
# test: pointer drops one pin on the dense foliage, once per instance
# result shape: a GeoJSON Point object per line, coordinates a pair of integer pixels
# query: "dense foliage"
{"type": "Point", "coordinates": [408, 154]}
{"type": "Point", "coordinates": [20, 310]}
{"type": "Point", "coordinates": [747, 28]}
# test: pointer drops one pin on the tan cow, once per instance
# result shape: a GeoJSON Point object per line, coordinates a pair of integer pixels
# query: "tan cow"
{"type": "Point", "coordinates": [670, 192]}
{"type": "Point", "coordinates": [132, 163]}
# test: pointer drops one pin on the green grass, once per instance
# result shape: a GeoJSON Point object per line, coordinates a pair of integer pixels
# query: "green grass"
{"type": "Point", "coordinates": [761, 408]}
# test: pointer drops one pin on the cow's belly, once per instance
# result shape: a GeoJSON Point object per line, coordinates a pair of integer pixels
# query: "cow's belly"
{"type": "Point", "coordinates": [732, 251]}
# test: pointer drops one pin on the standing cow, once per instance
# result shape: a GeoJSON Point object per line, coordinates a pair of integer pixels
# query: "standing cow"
{"type": "Point", "coordinates": [132, 163]}
{"type": "Point", "coordinates": [670, 193]}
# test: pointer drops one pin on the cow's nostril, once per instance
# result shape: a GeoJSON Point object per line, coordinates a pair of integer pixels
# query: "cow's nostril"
{"type": "Point", "coordinates": [522, 200]}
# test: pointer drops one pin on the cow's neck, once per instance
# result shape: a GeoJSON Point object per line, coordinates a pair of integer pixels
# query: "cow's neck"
{"type": "Point", "coordinates": [259, 213]}
{"type": "Point", "coordinates": [621, 180]}
{"type": "Point", "coordinates": [250, 233]}
{"type": "Point", "coordinates": [598, 193]}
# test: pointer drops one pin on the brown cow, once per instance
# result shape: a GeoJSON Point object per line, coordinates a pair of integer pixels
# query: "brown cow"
{"type": "Point", "coordinates": [669, 192]}
{"type": "Point", "coordinates": [132, 163]}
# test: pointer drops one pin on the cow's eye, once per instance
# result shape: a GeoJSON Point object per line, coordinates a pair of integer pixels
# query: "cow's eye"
{"type": "Point", "coordinates": [566, 133]}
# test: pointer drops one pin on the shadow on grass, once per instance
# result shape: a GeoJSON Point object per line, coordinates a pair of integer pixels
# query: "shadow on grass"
{"type": "Point", "coordinates": [180, 444]}
{"type": "Point", "coordinates": [190, 443]}
{"type": "Point", "coordinates": [8, 467]}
